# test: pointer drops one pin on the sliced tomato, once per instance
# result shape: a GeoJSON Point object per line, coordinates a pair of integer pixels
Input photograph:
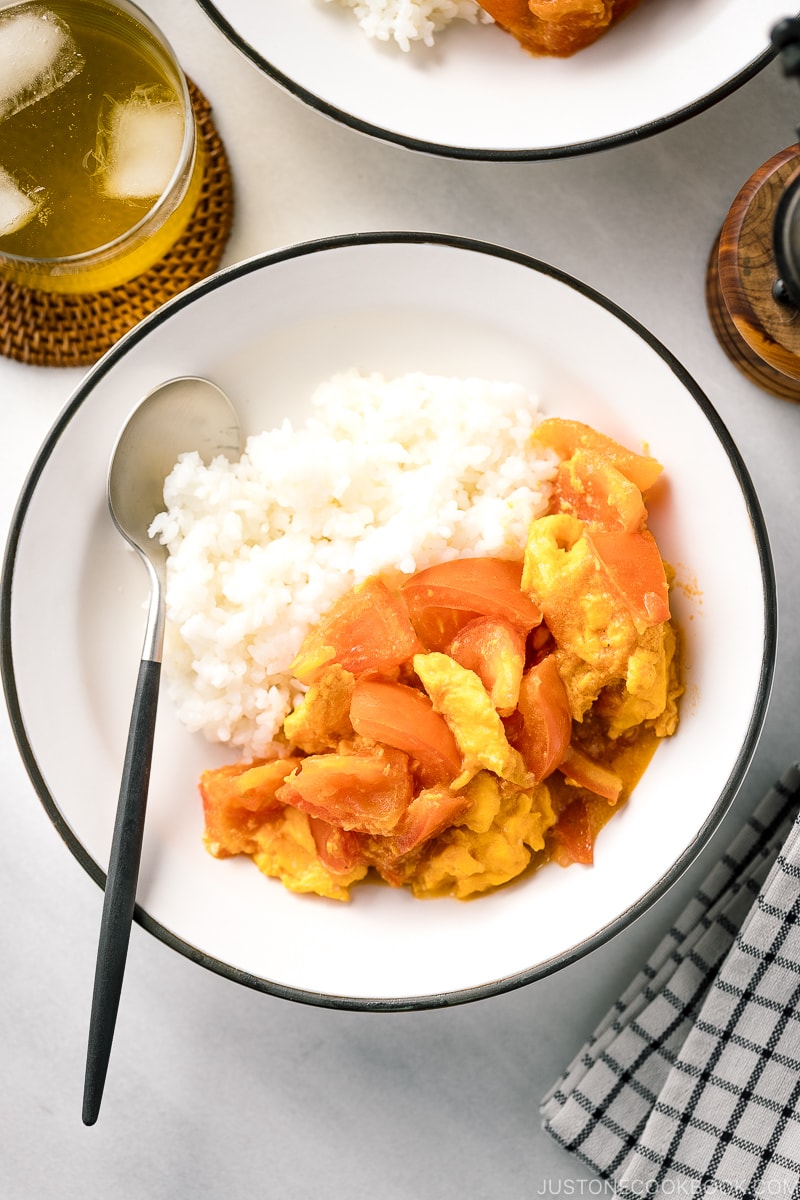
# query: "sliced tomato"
{"type": "Point", "coordinates": [368, 629]}
{"type": "Point", "coordinates": [573, 835]}
{"type": "Point", "coordinates": [403, 717]}
{"type": "Point", "coordinates": [367, 791]}
{"type": "Point", "coordinates": [586, 772]}
{"type": "Point", "coordinates": [339, 849]}
{"type": "Point", "coordinates": [488, 587]}
{"type": "Point", "coordinates": [436, 627]}
{"type": "Point", "coordinates": [495, 650]}
{"type": "Point", "coordinates": [591, 488]}
{"type": "Point", "coordinates": [236, 799]}
{"type": "Point", "coordinates": [633, 565]}
{"type": "Point", "coordinates": [546, 729]}
{"type": "Point", "coordinates": [565, 437]}
{"type": "Point", "coordinates": [429, 814]}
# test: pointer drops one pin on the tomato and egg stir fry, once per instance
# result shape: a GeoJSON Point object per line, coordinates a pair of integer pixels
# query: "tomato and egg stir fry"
{"type": "Point", "coordinates": [478, 718]}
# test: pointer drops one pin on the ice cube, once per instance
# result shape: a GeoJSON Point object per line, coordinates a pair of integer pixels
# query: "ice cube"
{"type": "Point", "coordinates": [38, 55]}
{"type": "Point", "coordinates": [139, 145]}
{"type": "Point", "coordinates": [17, 206]}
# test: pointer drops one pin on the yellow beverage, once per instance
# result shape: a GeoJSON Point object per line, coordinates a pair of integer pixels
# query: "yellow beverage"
{"type": "Point", "coordinates": [99, 166]}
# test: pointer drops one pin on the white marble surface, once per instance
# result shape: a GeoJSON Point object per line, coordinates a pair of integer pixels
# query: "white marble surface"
{"type": "Point", "coordinates": [216, 1091]}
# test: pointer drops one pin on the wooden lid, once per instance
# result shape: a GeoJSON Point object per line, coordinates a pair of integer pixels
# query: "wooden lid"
{"type": "Point", "coordinates": [759, 333]}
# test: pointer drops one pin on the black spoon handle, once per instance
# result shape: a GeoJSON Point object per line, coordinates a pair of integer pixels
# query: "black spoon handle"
{"type": "Point", "coordinates": [120, 891]}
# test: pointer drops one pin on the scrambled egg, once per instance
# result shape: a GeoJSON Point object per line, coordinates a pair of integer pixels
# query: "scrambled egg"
{"type": "Point", "coordinates": [323, 718]}
{"type": "Point", "coordinates": [582, 613]}
{"type": "Point", "coordinates": [600, 643]}
{"type": "Point", "coordinates": [286, 850]}
{"type": "Point", "coordinates": [491, 844]}
{"type": "Point", "coordinates": [463, 701]}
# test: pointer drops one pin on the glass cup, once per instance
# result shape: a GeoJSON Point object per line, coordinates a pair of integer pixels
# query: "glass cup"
{"type": "Point", "coordinates": [100, 163]}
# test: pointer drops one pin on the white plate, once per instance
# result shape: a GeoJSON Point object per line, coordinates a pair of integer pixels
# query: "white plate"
{"type": "Point", "coordinates": [477, 94]}
{"type": "Point", "coordinates": [267, 331]}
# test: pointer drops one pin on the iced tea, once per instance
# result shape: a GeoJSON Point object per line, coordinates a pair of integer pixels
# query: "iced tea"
{"type": "Point", "coordinates": [99, 164]}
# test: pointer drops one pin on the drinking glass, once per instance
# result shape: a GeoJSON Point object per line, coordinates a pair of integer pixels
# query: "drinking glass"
{"type": "Point", "coordinates": [100, 163]}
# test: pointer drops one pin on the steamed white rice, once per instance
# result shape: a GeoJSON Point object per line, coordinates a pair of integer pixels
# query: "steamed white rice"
{"type": "Point", "coordinates": [407, 21]}
{"type": "Point", "coordinates": [386, 474]}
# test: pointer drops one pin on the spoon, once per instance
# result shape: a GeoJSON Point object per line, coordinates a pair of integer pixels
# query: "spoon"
{"type": "Point", "coordinates": [183, 414]}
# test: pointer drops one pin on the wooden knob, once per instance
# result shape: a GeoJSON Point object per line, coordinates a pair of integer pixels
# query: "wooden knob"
{"type": "Point", "coordinates": [759, 332]}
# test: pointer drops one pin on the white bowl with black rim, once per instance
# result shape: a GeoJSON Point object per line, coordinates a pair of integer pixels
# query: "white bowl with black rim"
{"type": "Point", "coordinates": [72, 611]}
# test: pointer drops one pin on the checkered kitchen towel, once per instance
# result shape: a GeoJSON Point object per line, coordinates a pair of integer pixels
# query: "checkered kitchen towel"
{"type": "Point", "coordinates": [691, 1084]}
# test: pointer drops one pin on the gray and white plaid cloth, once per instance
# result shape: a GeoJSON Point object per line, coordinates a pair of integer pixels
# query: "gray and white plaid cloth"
{"type": "Point", "coordinates": [690, 1086]}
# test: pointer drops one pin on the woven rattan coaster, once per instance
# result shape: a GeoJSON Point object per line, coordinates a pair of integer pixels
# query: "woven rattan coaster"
{"type": "Point", "coordinates": [53, 330]}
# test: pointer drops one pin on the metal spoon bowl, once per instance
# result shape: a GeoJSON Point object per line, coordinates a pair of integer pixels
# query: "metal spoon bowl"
{"type": "Point", "coordinates": [183, 414]}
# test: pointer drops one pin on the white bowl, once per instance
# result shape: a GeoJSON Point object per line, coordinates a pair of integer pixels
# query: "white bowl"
{"type": "Point", "coordinates": [477, 94]}
{"type": "Point", "coordinates": [73, 616]}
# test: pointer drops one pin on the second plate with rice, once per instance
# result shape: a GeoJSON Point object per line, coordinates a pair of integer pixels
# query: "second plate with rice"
{"type": "Point", "coordinates": [475, 93]}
